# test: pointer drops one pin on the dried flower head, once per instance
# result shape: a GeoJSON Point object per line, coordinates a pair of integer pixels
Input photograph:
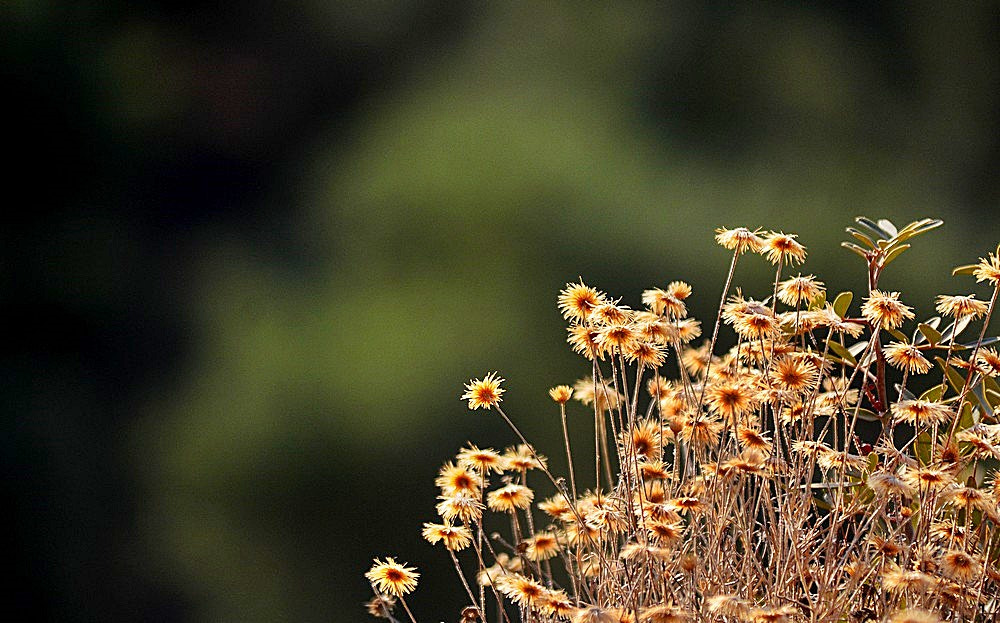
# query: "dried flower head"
{"type": "Point", "coordinates": [922, 412]}
{"type": "Point", "coordinates": [907, 357]}
{"type": "Point", "coordinates": [484, 392]}
{"type": "Point", "coordinates": [510, 498]}
{"type": "Point", "coordinates": [799, 289]}
{"type": "Point", "coordinates": [454, 479]}
{"type": "Point", "coordinates": [542, 546]}
{"type": "Point", "coordinates": [521, 458]}
{"type": "Point", "coordinates": [988, 269]}
{"type": "Point", "coordinates": [740, 239]}
{"type": "Point", "coordinates": [392, 578]}
{"type": "Point", "coordinates": [462, 507]}
{"type": "Point", "coordinates": [455, 538]}
{"type": "Point", "coordinates": [520, 589]}
{"type": "Point", "coordinates": [988, 362]}
{"type": "Point", "coordinates": [883, 309]}
{"type": "Point", "coordinates": [597, 394]}
{"type": "Point", "coordinates": [577, 301]}
{"type": "Point", "coordinates": [664, 303]}
{"type": "Point", "coordinates": [381, 606]}
{"type": "Point", "coordinates": [782, 247]}
{"type": "Point", "coordinates": [561, 393]}
{"type": "Point", "coordinates": [914, 615]}
{"type": "Point", "coordinates": [794, 374]}
{"type": "Point", "coordinates": [960, 566]}
{"type": "Point", "coordinates": [483, 460]}
{"type": "Point", "coordinates": [961, 306]}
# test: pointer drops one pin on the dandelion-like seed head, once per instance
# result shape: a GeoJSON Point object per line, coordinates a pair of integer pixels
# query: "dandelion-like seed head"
{"type": "Point", "coordinates": [484, 393]}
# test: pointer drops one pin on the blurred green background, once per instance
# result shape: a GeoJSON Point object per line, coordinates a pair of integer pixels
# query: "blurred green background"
{"type": "Point", "coordinates": [255, 250]}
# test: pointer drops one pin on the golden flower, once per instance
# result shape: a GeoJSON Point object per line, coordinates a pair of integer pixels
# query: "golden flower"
{"type": "Point", "coordinates": [646, 354]}
{"type": "Point", "coordinates": [883, 309]}
{"type": "Point", "coordinates": [959, 566]}
{"type": "Point", "coordinates": [556, 603]}
{"type": "Point", "coordinates": [732, 400]}
{"type": "Point", "coordinates": [701, 433]}
{"type": "Point", "coordinates": [455, 479]}
{"type": "Point", "coordinates": [602, 396]}
{"type": "Point", "coordinates": [799, 289]}
{"type": "Point", "coordinates": [728, 605]}
{"type": "Point", "coordinates": [982, 447]}
{"type": "Point", "coordinates": [740, 239]}
{"type": "Point", "coordinates": [663, 303]}
{"type": "Point", "coordinates": [455, 538]}
{"type": "Point", "coordinates": [484, 392]}
{"type": "Point", "coordinates": [510, 498]}
{"type": "Point", "coordinates": [988, 269]}
{"type": "Point", "coordinates": [556, 507]}
{"type": "Point", "coordinates": [922, 412]}
{"type": "Point", "coordinates": [753, 439]}
{"type": "Point", "coordinates": [968, 497]}
{"type": "Point", "coordinates": [686, 329]}
{"type": "Point", "coordinates": [886, 547]}
{"type": "Point", "coordinates": [577, 301]}
{"type": "Point", "coordinates": [907, 357]}
{"type": "Point", "coordinates": [644, 442]}
{"type": "Point", "coordinates": [827, 317]}
{"type": "Point", "coordinates": [665, 532]}
{"type": "Point", "coordinates": [794, 374]}
{"type": "Point", "coordinates": [696, 360]}
{"type": "Point", "coordinates": [503, 564]}
{"type": "Point", "coordinates": [522, 458]}
{"type": "Point", "coordinates": [914, 615]}
{"type": "Point", "coordinates": [520, 589]}
{"type": "Point", "coordinates": [392, 578]}
{"type": "Point", "coordinates": [958, 306]}
{"type": "Point", "coordinates": [782, 247]}
{"type": "Point", "coordinates": [593, 614]}
{"type": "Point", "coordinates": [612, 313]}
{"type": "Point", "coordinates": [542, 546]}
{"type": "Point", "coordinates": [685, 504]}
{"type": "Point", "coordinates": [583, 340]}
{"type": "Point", "coordinates": [988, 362]}
{"type": "Point", "coordinates": [617, 338]}
{"type": "Point", "coordinates": [885, 483]}
{"type": "Point", "coordinates": [655, 329]}
{"type": "Point", "coordinates": [927, 479]}
{"type": "Point", "coordinates": [484, 460]}
{"type": "Point", "coordinates": [561, 393]}
{"type": "Point", "coordinates": [463, 507]}
{"type": "Point", "coordinates": [654, 470]}
{"type": "Point", "coordinates": [679, 290]}
{"type": "Point", "coordinates": [781, 614]}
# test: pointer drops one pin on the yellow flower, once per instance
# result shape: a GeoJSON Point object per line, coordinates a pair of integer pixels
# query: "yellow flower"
{"type": "Point", "coordinates": [484, 392]}
{"type": "Point", "coordinates": [781, 247]}
{"type": "Point", "coordinates": [510, 498]}
{"type": "Point", "coordinates": [799, 290]}
{"type": "Point", "coordinates": [455, 538]}
{"type": "Point", "coordinates": [577, 300]}
{"type": "Point", "coordinates": [988, 269]}
{"type": "Point", "coordinates": [392, 578]}
{"type": "Point", "coordinates": [561, 393]}
{"type": "Point", "coordinates": [740, 239]}
{"type": "Point", "coordinates": [907, 357]}
{"type": "Point", "coordinates": [961, 306]}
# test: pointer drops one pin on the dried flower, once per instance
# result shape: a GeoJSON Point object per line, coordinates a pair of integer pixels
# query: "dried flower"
{"type": "Point", "coordinates": [484, 392]}
{"type": "Point", "coordinates": [883, 309]}
{"type": "Point", "coordinates": [577, 300]}
{"type": "Point", "coordinates": [561, 393]}
{"type": "Point", "coordinates": [740, 239]}
{"type": "Point", "coordinates": [907, 357]}
{"type": "Point", "coordinates": [455, 538]}
{"type": "Point", "coordinates": [510, 498]}
{"type": "Point", "coordinates": [799, 289]}
{"type": "Point", "coordinates": [392, 578]}
{"type": "Point", "coordinates": [782, 247]}
{"type": "Point", "coordinates": [961, 306]}
{"type": "Point", "coordinates": [988, 269]}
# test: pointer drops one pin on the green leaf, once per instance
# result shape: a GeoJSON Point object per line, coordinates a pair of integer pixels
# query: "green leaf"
{"type": "Point", "coordinates": [966, 269]}
{"type": "Point", "coordinates": [954, 329]}
{"type": "Point", "coordinates": [932, 336]}
{"type": "Point", "coordinates": [868, 416]}
{"type": "Point", "coordinates": [843, 353]}
{"type": "Point", "coordinates": [955, 379]}
{"type": "Point", "coordinates": [922, 447]}
{"type": "Point", "coordinates": [896, 333]}
{"type": "Point", "coordinates": [842, 303]}
{"type": "Point", "coordinates": [933, 394]}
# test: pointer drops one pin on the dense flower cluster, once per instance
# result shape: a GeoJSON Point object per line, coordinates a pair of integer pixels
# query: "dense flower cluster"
{"type": "Point", "coordinates": [826, 467]}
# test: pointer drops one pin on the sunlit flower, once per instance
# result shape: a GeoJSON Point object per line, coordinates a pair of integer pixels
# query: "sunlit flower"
{"type": "Point", "coordinates": [988, 269]}
{"type": "Point", "coordinates": [799, 289]}
{"type": "Point", "coordinates": [522, 458]}
{"type": "Point", "coordinates": [454, 479]}
{"type": "Point", "coordinates": [510, 498]}
{"type": "Point", "coordinates": [542, 546]}
{"type": "Point", "coordinates": [483, 460]}
{"type": "Point", "coordinates": [959, 566]}
{"type": "Point", "coordinates": [617, 338]}
{"type": "Point", "coordinates": [644, 442]}
{"type": "Point", "coordinates": [520, 589]}
{"type": "Point", "coordinates": [603, 397]}
{"type": "Point", "coordinates": [886, 483]}
{"type": "Point", "coordinates": [794, 374]}
{"type": "Point", "coordinates": [731, 400]}
{"type": "Point", "coordinates": [561, 393]}
{"type": "Point", "coordinates": [577, 300]}
{"type": "Point", "coordinates": [740, 239]}
{"type": "Point", "coordinates": [922, 412]}
{"type": "Point", "coordinates": [463, 507]}
{"type": "Point", "coordinates": [583, 340]}
{"type": "Point", "coordinates": [392, 578]}
{"type": "Point", "coordinates": [782, 247]}
{"type": "Point", "coordinates": [883, 309]}
{"type": "Point", "coordinates": [484, 392]}
{"type": "Point", "coordinates": [455, 538]}
{"type": "Point", "coordinates": [646, 354]}
{"type": "Point", "coordinates": [907, 357]}
{"type": "Point", "coordinates": [961, 306]}
{"type": "Point", "coordinates": [664, 303]}
{"type": "Point", "coordinates": [989, 362]}
{"type": "Point", "coordinates": [701, 433]}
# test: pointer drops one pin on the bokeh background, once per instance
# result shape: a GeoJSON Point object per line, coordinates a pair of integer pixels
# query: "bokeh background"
{"type": "Point", "coordinates": [254, 249]}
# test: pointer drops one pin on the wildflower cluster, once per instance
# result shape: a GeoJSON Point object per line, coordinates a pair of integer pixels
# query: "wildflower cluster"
{"type": "Point", "coordinates": [826, 467]}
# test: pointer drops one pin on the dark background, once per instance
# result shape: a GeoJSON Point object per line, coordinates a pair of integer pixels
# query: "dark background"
{"type": "Point", "coordinates": [254, 249]}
